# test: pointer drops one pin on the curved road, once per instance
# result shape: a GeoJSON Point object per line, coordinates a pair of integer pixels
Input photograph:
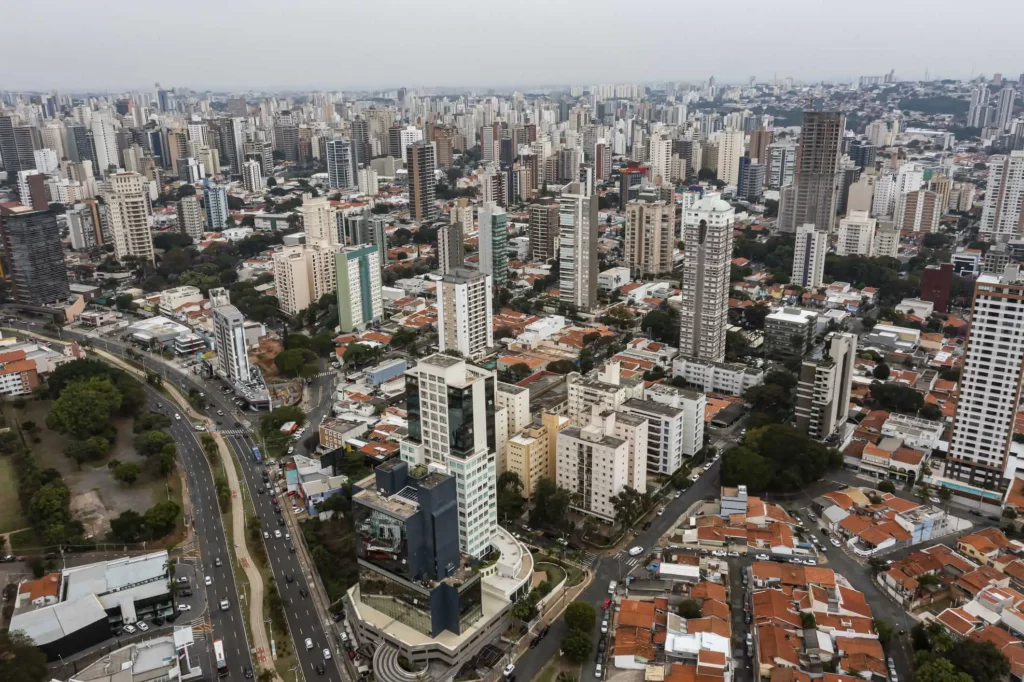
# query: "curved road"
{"type": "Point", "coordinates": [302, 615]}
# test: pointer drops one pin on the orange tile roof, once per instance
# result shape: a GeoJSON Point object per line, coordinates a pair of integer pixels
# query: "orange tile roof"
{"type": "Point", "coordinates": [47, 586]}
{"type": "Point", "coordinates": [706, 590]}
{"type": "Point", "coordinates": [775, 644]}
{"type": "Point", "coordinates": [958, 620]}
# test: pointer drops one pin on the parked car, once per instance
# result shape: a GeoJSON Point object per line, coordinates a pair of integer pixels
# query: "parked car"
{"type": "Point", "coordinates": [142, 626]}
{"type": "Point", "coordinates": [130, 629]}
{"type": "Point", "coordinates": [184, 607]}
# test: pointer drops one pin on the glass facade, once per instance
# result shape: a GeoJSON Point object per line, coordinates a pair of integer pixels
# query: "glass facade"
{"type": "Point", "coordinates": [402, 602]}
{"type": "Point", "coordinates": [412, 406]}
{"type": "Point", "coordinates": [381, 539]}
{"type": "Point", "coordinates": [470, 606]}
{"type": "Point", "coordinates": [460, 421]}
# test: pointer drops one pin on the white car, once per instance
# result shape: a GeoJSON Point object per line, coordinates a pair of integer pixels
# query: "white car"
{"type": "Point", "coordinates": [287, 536]}
{"type": "Point", "coordinates": [761, 557]}
{"type": "Point", "coordinates": [679, 493]}
{"type": "Point", "coordinates": [209, 581]}
{"type": "Point", "coordinates": [835, 542]}
{"type": "Point", "coordinates": [604, 627]}
{"type": "Point", "coordinates": [266, 535]}
{"type": "Point", "coordinates": [734, 554]}
{"type": "Point", "coordinates": [130, 629]}
{"type": "Point", "coordinates": [695, 477]}
{"type": "Point", "coordinates": [810, 562]}
{"type": "Point", "coordinates": [634, 551]}
{"type": "Point", "coordinates": [184, 607]}
{"type": "Point", "coordinates": [277, 534]}
{"type": "Point", "coordinates": [177, 416]}
{"type": "Point", "coordinates": [719, 553]}
{"type": "Point", "coordinates": [309, 643]}
{"type": "Point", "coordinates": [327, 654]}
{"type": "Point", "coordinates": [661, 511]}
{"type": "Point", "coordinates": [142, 626]}
{"type": "Point", "coordinates": [508, 669]}
{"type": "Point", "coordinates": [200, 427]}
{"type": "Point", "coordinates": [291, 449]}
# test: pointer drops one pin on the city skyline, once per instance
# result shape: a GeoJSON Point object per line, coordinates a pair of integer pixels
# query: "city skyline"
{"type": "Point", "coordinates": [660, 50]}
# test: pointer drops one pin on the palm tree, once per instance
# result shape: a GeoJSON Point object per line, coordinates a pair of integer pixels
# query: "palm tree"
{"type": "Point", "coordinates": [924, 492]}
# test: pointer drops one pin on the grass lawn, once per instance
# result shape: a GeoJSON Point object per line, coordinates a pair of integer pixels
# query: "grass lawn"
{"type": "Point", "coordinates": [555, 573]}
{"type": "Point", "coordinates": [576, 576]}
{"type": "Point", "coordinates": [24, 540]}
{"type": "Point", "coordinates": [10, 509]}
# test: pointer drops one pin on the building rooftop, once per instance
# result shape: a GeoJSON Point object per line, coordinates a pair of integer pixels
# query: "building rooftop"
{"type": "Point", "coordinates": [792, 315]}
{"type": "Point", "coordinates": [441, 360]}
{"type": "Point", "coordinates": [652, 407]}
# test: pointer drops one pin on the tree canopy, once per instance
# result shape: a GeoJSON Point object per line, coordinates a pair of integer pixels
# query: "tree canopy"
{"type": "Point", "coordinates": [777, 458]}
{"type": "Point", "coordinates": [580, 615]}
{"type": "Point", "coordinates": [20, 659]}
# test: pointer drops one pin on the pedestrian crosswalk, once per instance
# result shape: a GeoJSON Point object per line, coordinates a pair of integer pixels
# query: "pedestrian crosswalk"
{"type": "Point", "coordinates": [328, 373]}
{"type": "Point", "coordinates": [631, 561]}
{"type": "Point", "coordinates": [589, 560]}
{"type": "Point", "coordinates": [232, 432]}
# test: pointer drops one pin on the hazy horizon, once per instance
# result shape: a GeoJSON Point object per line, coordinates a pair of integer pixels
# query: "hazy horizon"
{"type": "Point", "coordinates": [313, 45]}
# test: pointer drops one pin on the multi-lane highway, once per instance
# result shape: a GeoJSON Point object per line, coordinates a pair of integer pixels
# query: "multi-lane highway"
{"type": "Point", "coordinates": [213, 561]}
{"type": "Point", "coordinates": [302, 615]}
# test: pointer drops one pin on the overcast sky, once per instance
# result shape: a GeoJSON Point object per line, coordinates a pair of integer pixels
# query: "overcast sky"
{"type": "Point", "coordinates": [78, 45]}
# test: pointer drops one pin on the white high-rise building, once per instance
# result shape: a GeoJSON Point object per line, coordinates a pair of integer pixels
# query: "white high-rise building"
{"type": "Point", "coordinates": [673, 432]}
{"type": "Point", "coordinates": [990, 383]}
{"type": "Point", "coordinates": [229, 331]}
{"type": "Point", "coordinates": [215, 200]}
{"type": "Point", "coordinates": [660, 157]}
{"type": "Point", "coordinates": [707, 243]}
{"type": "Point", "coordinates": [190, 170]}
{"type": "Point", "coordinates": [55, 137]}
{"type": "Point", "coordinates": [856, 235]}
{"type": "Point", "coordinates": [291, 279]}
{"type": "Point", "coordinates": [885, 195]}
{"type": "Point", "coordinates": [887, 241]}
{"type": "Point", "coordinates": [781, 164]}
{"type": "Point", "coordinates": [128, 210]}
{"type": "Point", "coordinates": [341, 164]}
{"type": "Point", "coordinates": [190, 217]}
{"type": "Point", "coordinates": [1005, 112]}
{"type": "Point", "coordinates": [319, 221]}
{"type": "Point", "coordinates": [104, 142]}
{"type": "Point", "coordinates": [46, 160]}
{"type": "Point", "coordinates": [597, 461]}
{"type": "Point", "coordinates": [577, 247]}
{"type": "Point", "coordinates": [464, 312]}
{"type": "Point", "coordinates": [252, 176]}
{"type": "Point", "coordinates": [978, 111]}
{"type": "Point", "coordinates": [451, 426]}
{"type": "Point", "coordinates": [730, 149]}
{"type": "Point", "coordinates": [407, 136]}
{"type": "Point", "coordinates": [360, 301]}
{"type": "Point", "coordinates": [809, 256]}
{"type": "Point", "coordinates": [824, 386]}
{"type": "Point", "coordinates": [367, 181]}
{"type": "Point", "coordinates": [1001, 218]}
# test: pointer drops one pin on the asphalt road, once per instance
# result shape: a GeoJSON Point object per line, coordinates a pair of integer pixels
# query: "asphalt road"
{"type": "Point", "coordinates": [616, 568]}
{"type": "Point", "coordinates": [228, 625]}
{"type": "Point", "coordinates": [300, 611]}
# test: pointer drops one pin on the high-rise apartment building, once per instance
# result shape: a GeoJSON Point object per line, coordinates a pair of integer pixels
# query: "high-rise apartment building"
{"type": "Point", "coordinates": [359, 287]}
{"type": "Point", "coordinates": [758, 147]}
{"type": "Point", "coordinates": [451, 411]}
{"type": "Point", "coordinates": [319, 221]}
{"type": "Point", "coordinates": [918, 211]}
{"type": "Point", "coordinates": [977, 114]}
{"type": "Point", "coordinates": [215, 199]}
{"type": "Point", "coordinates": [543, 230]}
{"type": "Point", "coordinates": [823, 389]}
{"type": "Point", "coordinates": [451, 253]}
{"type": "Point", "coordinates": [887, 241]}
{"type": "Point", "coordinates": [809, 256]}
{"type": "Point", "coordinates": [34, 256]}
{"type": "Point", "coordinates": [464, 310]}
{"type": "Point", "coordinates": [1004, 114]}
{"type": "Point", "coordinates": [88, 225]}
{"type": "Point", "coordinates": [493, 240]}
{"type": "Point", "coordinates": [342, 172]}
{"type": "Point", "coordinates": [252, 176]}
{"type": "Point", "coordinates": [856, 235]}
{"type": "Point", "coordinates": [421, 166]}
{"type": "Point", "coordinates": [730, 149]}
{"type": "Point", "coordinates": [990, 384]}
{"type": "Point", "coordinates": [936, 282]}
{"type": "Point", "coordinates": [1001, 217]}
{"type": "Point", "coordinates": [649, 235]}
{"type": "Point", "coordinates": [816, 178]}
{"type": "Point", "coordinates": [577, 247]}
{"type": "Point", "coordinates": [104, 143]}
{"type": "Point", "coordinates": [17, 144]}
{"type": "Point", "coordinates": [229, 332]}
{"type": "Point", "coordinates": [781, 164]}
{"type": "Point", "coordinates": [128, 210]}
{"type": "Point", "coordinates": [660, 158]}
{"type": "Point", "coordinates": [291, 280]}
{"type": "Point", "coordinates": [751, 179]}
{"type": "Point", "coordinates": [190, 170]}
{"type": "Point", "coordinates": [675, 432]}
{"type": "Point", "coordinates": [190, 217]}
{"type": "Point", "coordinates": [707, 245]}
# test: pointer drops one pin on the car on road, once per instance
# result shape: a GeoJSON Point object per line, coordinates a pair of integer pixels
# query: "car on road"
{"type": "Point", "coordinates": [695, 477]}
{"type": "Point", "coordinates": [835, 542]}
{"type": "Point", "coordinates": [319, 669]}
{"type": "Point", "coordinates": [303, 593]}
{"type": "Point", "coordinates": [142, 626]}
{"type": "Point", "coordinates": [509, 669]}
{"type": "Point", "coordinates": [291, 449]}
{"type": "Point", "coordinates": [327, 654]}
{"type": "Point", "coordinates": [611, 587]}
{"type": "Point", "coordinates": [280, 521]}
{"type": "Point", "coordinates": [185, 593]}
{"type": "Point", "coordinates": [261, 490]}
{"type": "Point", "coordinates": [734, 554]}
{"type": "Point", "coordinates": [289, 577]}
{"type": "Point", "coordinates": [217, 562]}
{"type": "Point", "coordinates": [634, 551]}
{"type": "Point", "coordinates": [761, 557]}
{"type": "Point", "coordinates": [604, 627]}
{"type": "Point", "coordinates": [248, 672]}
{"type": "Point", "coordinates": [225, 605]}
{"type": "Point", "coordinates": [679, 493]}
{"type": "Point", "coordinates": [209, 581]}
{"type": "Point", "coordinates": [181, 579]}
{"type": "Point", "coordinates": [291, 548]}
{"type": "Point", "coordinates": [661, 511]}
{"type": "Point", "coordinates": [277, 534]}
{"type": "Point", "coordinates": [177, 416]}
{"type": "Point", "coordinates": [647, 526]}
{"type": "Point", "coordinates": [266, 535]}
{"type": "Point", "coordinates": [309, 643]}
{"type": "Point", "coordinates": [597, 671]}
{"type": "Point", "coordinates": [810, 562]}
{"type": "Point", "coordinates": [718, 552]}
{"type": "Point", "coordinates": [287, 536]}
{"type": "Point", "coordinates": [130, 629]}
{"type": "Point", "coordinates": [184, 607]}
{"type": "Point", "coordinates": [607, 603]}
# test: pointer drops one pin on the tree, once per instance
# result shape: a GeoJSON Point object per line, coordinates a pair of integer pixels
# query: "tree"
{"type": "Point", "coordinates": [550, 505]}
{"type": "Point", "coordinates": [84, 408]}
{"type": "Point", "coordinates": [939, 670]}
{"type": "Point", "coordinates": [887, 486]}
{"type": "Point", "coordinates": [884, 630]}
{"type": "Point", "coordinates": [881, 371]}
{"type": "Point", "coordinates": [581, 616]}
{"type": "Point", "coordinates": [896, 397]}
{"type": "Point", "coordinates": [771, 400]}
{"type": "Point", "coordinates": [88, 450]}
{"type": "Point", "coordinates": [629, 506]}
{"type": "Point", "coordinates": [127, 472]}
{"type": "Point", "coordinates": [292, 361]}
{"type": "Point", "coordinates": [162, 517]}
{"type": "Point", "coordinates": [930, 411]}
{"type": "Point", "coordinates": [807, 620]}
{"type": "Point", "coordinates": [152, 442]}
{"type": "Point", "coordinates": [688, 608]}
{"type": "Point", "coordinates": [360, 354]}
{"type": "Point", "coordinates": [128, 526]}
{"type": "Point", "coordinates": [576, 646]}
{"type": "Point", "coordinates": [20, 659]}
{"type": "Point", "coordinates": [510, 496]}
{"type": "Point", "coordinates": [561, 367]}
{"type": "Point", "coordinates": [981, 661]}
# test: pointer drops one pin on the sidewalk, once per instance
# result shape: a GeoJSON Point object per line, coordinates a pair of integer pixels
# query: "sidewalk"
{"type": "Point", "coordinates": [256, 617]}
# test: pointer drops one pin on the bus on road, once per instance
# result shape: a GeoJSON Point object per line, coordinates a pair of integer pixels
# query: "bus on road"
{"type": "Point", "coordinates": [218, 654]}
{"type": "Point", "coordinates": [256, 454]}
